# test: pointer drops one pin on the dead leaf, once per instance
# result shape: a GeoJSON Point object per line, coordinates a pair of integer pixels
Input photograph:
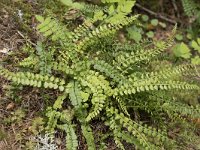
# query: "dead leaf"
{"type": "Point", "coordinates": [10, 106]}
{"type": "Point", "coordinates": [58, 141]}
{"type": "Point", "coordinates": [4, 50]}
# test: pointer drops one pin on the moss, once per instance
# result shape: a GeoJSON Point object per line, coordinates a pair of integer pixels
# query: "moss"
{"type": "Point", "coordinates": [3, 135]}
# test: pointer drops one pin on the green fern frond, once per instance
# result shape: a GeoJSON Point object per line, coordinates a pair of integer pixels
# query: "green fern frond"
{"type": "Point", "coordinates": [156, 104]}
{"type": "Point", "coordinates": [118, 10]}
{"type": "Point", "coordinates": [58, 103]}
{"type": "Point", "coordinates": [163, 74]}
{"type": "Point", "coordinates": [62, 67]}
{"type": "Point", "coordinates": [118, 142]}
{"type": "Point", "coordinates": [151, 85]}
{"type": "Point", "coordinates": [126, 59]}
{"type": "Point", "coordinates": [45, 59]}
{"type": "Point", "coordinates": [116, 131]}
{"type": "Point", "coordinates": [117, 1]}
{"type": "Point", "coordinates": [35, 80]}
{"type": "Point", "coordinates": [86, 8]}
{"type": "Point", "coordinates": [174, 71]}
{"type": "Point", "coordinates": [71, 138]}
{"type": "Point", "coordinates": [72, 4]}
{"type": "Point", "coordinates": [98, 102]}
{"type": "Point", "coordinates": [190, 7]}
{"type": "Point", "coordinates": [180, 108]}
{"type": "Point", "coordinates": [131, 47]}
{"type": "Point", "coordinates": [100, 89]}
{"type": "Point", "coordinates": [29, 62]}
{"type": "Point", "coordinates": [82, 30]}
{"type": "Point", "coordinates": [109, 70]}
{"type": "Point", "coordinates": [135, 129]}
{"type": "Point", "coordinates": [103, 31]}
{"type": "Point", "coordinates": [53, 118]}
{"type": "Point", "coordinates": [120, 135]}
{"type": "Point", "coordinates": [122, 106]}
{"type": "Point", "coordinates": [51, 28]}
{"type": "Point", "coordinates": [87, 133]}
{"type": "Point", "coordinates": [130, 139]}
{"type": "Point", "coordinates": [74, 94]}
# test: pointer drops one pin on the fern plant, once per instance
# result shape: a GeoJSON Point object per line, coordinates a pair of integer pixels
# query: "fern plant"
{"type": "Point", "coordinates": [101, 79]}
{"type": "Point", "coordinates": [192, 11]}
{"type": "Point", "coordinates": [191, 8]}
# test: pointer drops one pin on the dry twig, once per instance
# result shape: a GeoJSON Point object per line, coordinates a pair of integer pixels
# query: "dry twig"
{"type": "Point", "coordinates": [156, 14]}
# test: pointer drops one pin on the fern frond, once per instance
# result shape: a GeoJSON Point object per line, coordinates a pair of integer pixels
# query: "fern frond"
{"type": "Point", "coordinates": [86, 8]}
{"type": "Point", "coordinates": [174, 71]}
{"type": "Point", "coordinates": [103, 31]}
{"type": "Point", "coordinates": [131, 47]}
{"type": "Point", "coordinates": [162, 74]}
{"type": "Point", "coordinates": [151, 85]}
{"type": "Point", "coordinates": [74, 94]}
{"type": "Point", "coordinates": [53, 118]}
{"type": "Point", "coordinates": [120, 135]}
{"type": "Point", "coordinates": [71, 138]}
{"type": "Point", "coordinates": [62, 67]}
{"type": "Point", "coordinates": [100, 89]}
{"type": "Point", "coordinates": [116, 130]}
{"type": "Point", "coordinates": [98, 102]}
{"type": "Point", "coordinates": [109, 70]}
{"type": "Point", "coordinates": [45, 59]}
{"type": "Point", "coordinates": [35, 80]}
{"type": "Point", "coordinates": [122, 106]}
{"type": "Point", "coordinates": [135, 129]}
{"type": "Point", "coordinates": [87, 133]}
{"type": "Point", "coordinates": [190, 7]}
{"type": "Point", "coordinates": [118, 10]}
{"type": "Point", "coordinates": [118, 142]}
{"type": "Point", "coordinates": [130, 139]}
{"type": "Point", "coordinates": [172, 107]}
{"type": "Point", "coordinates": [156, 104]}
{"type": "Point", "coordinates": [58, 103]}
{"type": "Point", "coordinates": [126, 59]}
{"type": "Point", "coordinates": [82, 30]}
{"type": "Point", "coordinates": [117, 1]}
{"type": "Point", "coordinates": [51, 28]}
{"type": "Point", "coordinates": [29, 62]}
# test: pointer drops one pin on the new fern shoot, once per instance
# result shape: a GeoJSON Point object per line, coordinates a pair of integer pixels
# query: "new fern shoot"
{"type": "Point", "coordinates": [106, 81]}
